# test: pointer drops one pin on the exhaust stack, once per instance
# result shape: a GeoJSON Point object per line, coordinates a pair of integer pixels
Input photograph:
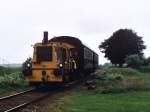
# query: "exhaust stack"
{"type": "Point", "coordinates": [45, 38]}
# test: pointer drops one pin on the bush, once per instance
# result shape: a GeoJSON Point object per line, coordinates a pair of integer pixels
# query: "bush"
{"type": "Point", "coordinates": [26, 63]}
{"type": "Point", "coordinates": [123, 80]}
{"type": "Point", "coordinates": [12, 80]}
{"type": "Point", "coordinates": [134, 61]}
{"type": "Point", "coordinates": [123, 71]}
{"type": "Point", "coordinates": [125, 85]}
{"type": "Point", "coordinates": [113, 77]}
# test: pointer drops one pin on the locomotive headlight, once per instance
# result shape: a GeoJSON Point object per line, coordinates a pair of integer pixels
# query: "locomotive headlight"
{"type": "Point", "coordinates": [60, 65]}
{"type": "Point", "coordinates": [28, 65]}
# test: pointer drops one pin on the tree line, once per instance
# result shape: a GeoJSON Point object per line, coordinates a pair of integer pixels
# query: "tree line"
{"type": "Point", "coordinates": [124, 47]}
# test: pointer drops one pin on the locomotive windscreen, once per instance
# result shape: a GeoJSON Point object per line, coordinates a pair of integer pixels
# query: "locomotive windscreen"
{"type": "Point", "coordinates": [44, 53]}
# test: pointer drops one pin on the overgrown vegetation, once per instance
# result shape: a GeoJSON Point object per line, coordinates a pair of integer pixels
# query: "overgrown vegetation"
{"type": "Point", "coordinates": [123, 80]}
{"type": "Point", "coordinates": [11, 79]}
{"type": "Point", "coordinates": [118, 80]}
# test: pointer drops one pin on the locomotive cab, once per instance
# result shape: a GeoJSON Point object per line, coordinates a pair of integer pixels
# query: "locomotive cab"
{"type": "Point", "coordinates": [50, 63]}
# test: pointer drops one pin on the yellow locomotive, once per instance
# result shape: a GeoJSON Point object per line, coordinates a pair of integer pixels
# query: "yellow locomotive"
{"type": "Point", "coordinates": [59, 60]}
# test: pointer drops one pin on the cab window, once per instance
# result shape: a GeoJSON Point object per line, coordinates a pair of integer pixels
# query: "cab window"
{"type": "Point", "coordinates": [44, 53]}
{"type": "Point", "coordinates": [60, 55]}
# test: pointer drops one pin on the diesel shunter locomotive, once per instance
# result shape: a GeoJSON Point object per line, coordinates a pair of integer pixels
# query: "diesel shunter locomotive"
{"type": "Point", "coordinates": [59, 60]}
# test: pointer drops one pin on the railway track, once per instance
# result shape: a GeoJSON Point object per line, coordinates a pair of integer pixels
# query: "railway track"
{"type": "Point", "coordinates": [19, 100]}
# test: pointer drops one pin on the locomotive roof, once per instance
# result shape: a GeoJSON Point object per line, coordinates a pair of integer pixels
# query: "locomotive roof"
{"type": "Point", "coordinates": [68, 39]}
{"type": "Point", "coordinates": [71, 40]}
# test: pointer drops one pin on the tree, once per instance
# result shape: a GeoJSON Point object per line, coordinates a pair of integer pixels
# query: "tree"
{"type": "Point", "coordinates": [122, 43]}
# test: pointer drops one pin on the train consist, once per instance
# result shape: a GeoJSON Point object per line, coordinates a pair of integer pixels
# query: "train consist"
{"type": "Point", "coordinates": [59, 60]}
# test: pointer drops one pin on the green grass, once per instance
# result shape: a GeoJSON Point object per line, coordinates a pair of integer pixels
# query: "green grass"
{"type": "Point", "coordinates": [84, 101]}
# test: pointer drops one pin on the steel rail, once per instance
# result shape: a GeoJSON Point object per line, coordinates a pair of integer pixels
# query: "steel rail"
{"type": "Point", "coordinates": [25, 104]}
{"type": "Point", "coordinates": [16, 94]}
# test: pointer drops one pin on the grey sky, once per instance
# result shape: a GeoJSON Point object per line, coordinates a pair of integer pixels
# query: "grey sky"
{"type": "Point", "coordinates": [22, 23]}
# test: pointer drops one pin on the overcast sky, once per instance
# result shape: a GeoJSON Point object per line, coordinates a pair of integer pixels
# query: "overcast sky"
{"type": "Point", "coordinates": [22, 23]}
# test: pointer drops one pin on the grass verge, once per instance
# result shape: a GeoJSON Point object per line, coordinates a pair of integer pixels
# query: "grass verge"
{"type": "Point", "coordinates": [84, 101]}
